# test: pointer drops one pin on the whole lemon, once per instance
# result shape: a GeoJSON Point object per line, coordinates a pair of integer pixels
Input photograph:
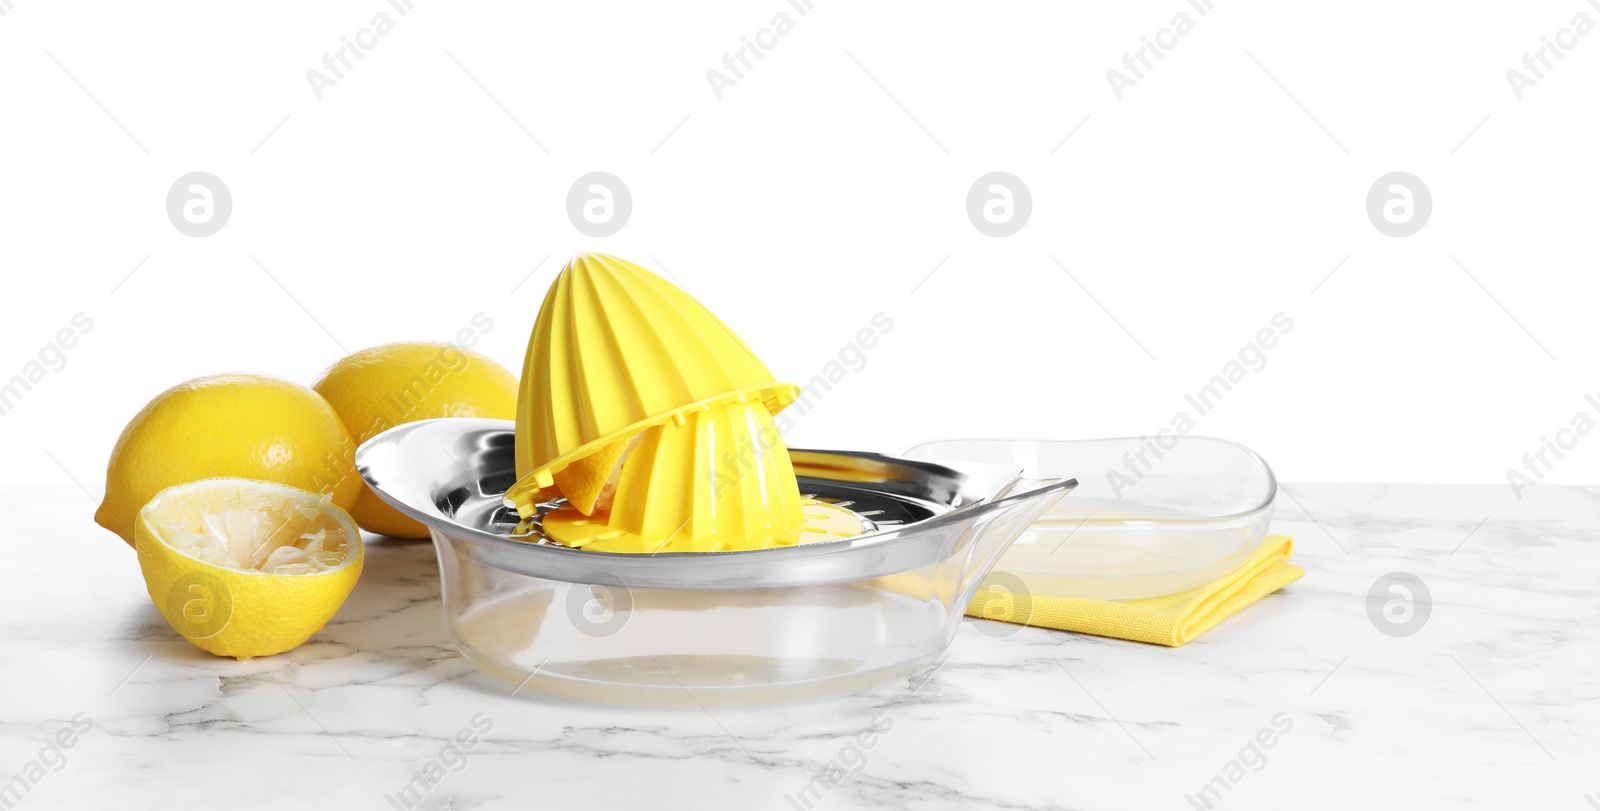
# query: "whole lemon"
{"type": "Point", "coordinates": [241, 425]}
{"type": "Point", "coordinates": [378, 388]}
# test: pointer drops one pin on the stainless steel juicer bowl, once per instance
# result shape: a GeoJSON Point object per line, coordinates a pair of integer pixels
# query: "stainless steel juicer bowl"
{"type": "Point", "coordinates": [713, 627]}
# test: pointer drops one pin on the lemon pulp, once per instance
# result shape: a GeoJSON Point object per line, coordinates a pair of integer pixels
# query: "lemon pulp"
{"type": "Point", "coordinates": [251, 529]}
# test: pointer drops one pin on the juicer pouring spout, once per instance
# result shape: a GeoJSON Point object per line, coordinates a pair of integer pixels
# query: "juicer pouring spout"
{"type": "Point", "coordinates": [999, 524]}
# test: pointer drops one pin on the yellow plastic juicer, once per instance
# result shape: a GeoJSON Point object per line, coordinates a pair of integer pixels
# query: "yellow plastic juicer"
{"type": "Point", "coordinates": [654, 421]}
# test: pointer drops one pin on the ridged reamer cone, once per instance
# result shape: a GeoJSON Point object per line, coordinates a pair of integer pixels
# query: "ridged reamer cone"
{"type": "Point", "coordinates": [617, 349]}
{"type": "Point", "coordinates": [720, 482]}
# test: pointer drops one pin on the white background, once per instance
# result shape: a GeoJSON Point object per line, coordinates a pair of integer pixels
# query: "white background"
{"type": "Point", "coordinates": [810, 197]}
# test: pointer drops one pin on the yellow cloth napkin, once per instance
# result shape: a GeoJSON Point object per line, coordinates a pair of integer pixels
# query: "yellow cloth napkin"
{"type": "Point", "coordinates": [1171, 620]}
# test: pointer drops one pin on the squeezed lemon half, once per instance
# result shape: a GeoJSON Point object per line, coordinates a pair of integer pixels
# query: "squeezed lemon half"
{"type": "Point", "coordinates": [246, 568]}
{"type": "Point", "coordinates": [589, 484]}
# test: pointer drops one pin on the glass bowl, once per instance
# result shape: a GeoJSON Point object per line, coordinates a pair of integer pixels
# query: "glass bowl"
{"type": "Point", "coordinates": [722, 628]}
{"type": "Point", "coordinates": [1152, 515]}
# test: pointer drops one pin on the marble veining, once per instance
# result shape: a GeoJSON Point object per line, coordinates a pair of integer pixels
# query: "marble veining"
{"type": "Point", "coordinates": [1494, 703]}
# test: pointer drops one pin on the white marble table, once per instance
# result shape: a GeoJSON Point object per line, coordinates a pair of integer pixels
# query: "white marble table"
{"type": "Point", "coordinates": [1494, 703]}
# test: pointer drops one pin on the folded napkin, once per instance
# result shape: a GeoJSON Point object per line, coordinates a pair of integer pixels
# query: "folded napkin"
{"type": "Point", "coordinates": [1171, 620]}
